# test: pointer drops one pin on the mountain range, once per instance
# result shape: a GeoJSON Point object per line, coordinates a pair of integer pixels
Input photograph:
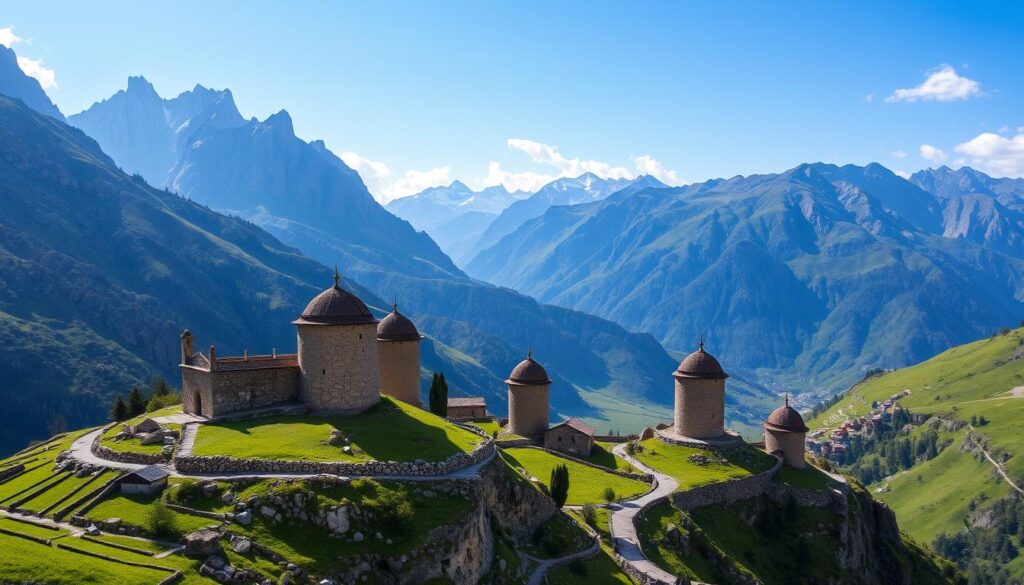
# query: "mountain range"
{"type": "Point", "coordinates": [479, 331]}
{"type": "Point", "coordinates": [455, 216]}
{"type": "Point", "coordinates": [808, 277]}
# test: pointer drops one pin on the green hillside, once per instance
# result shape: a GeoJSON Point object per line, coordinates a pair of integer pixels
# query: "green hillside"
{"type": "Point", "coordinates": [971, 398]}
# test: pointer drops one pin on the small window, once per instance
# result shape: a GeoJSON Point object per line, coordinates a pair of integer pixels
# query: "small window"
{"type": "Point", "coordinates": [324, 372]}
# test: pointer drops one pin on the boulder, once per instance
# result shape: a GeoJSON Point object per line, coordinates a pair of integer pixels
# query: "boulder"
{"type": "Point", "coordinates": [92, 530]}
{"type": "Point", "coordinates": [241, 545]}
{"type": "Point", "coordinates": [111, 524]}
{"type": "Point", "coordinates": [337, 520]}
{"type": "Point", "coordinates": [216, 562]}
{"type": "Point", "coordinates": [244, 518]}
{"type": "Point", "coordinates": [202, 543]}
{"type": "Point", "coordinates": [227, 497]}
{"type": "Point", "coordinates": [358, 537]}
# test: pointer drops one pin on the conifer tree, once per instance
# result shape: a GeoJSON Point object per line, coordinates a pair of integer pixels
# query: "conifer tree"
{"type": "Point", "coordinates": [438, 399]}
{"type": "Point", "coordinates": [160, 386]}
{"type": "Point", "coordinates": [119, 412]}
{"type": "Point", "coordinates": [136, 402]}
{"type": "Point", "coordinates": [559, 485]}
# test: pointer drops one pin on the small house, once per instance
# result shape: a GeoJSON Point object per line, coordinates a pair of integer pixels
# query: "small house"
{"type": "Point", "coordinates": [467, 407]}
{"type": "Point", "coordinates": [572, 436]}
{"type": "Point", "coordinates": [147, 480]}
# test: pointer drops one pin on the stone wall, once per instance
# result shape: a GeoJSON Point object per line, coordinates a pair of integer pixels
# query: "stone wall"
{"type": "Point", "coordinates": [103, 452]}
{"type": "Point", "coordinates": [399, 370]}
{"type": "Point", "coordinates": [196, 391]}
{"type": "Point", "coordinates": [527, 410]}
{"type": "Point", "coordinates": [235, 390]}
{"type": "Point", "coordinates": [836, 500]}
{"type": "Point", "coordinates": [225, 464]}
{"type": "Point", "coordinates": [11, 472]}
{"type": "Point", "coordinates": [339, 366]}
{"type": "Point", "coordinates": [727, 492]}
{"type": "Point", "coordinates": [700, 407]}
{"type": "Point", "coordinates": [568, 440]}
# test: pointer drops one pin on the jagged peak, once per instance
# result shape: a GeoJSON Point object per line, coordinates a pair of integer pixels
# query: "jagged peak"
{"type": "Point", "coordinates": [281, 121]}
{"type": "Point", "coordinates": [459, 185]}
{"type": "Point", "coordinates": [139, 84]}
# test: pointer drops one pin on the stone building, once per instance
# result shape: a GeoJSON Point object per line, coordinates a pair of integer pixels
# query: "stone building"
{"type": "Point", "coordinates": [528, 399]}
{"type": "Point", "coordinates": [398, 347]}
{"type": "Point", "coordinates": [572, 436]}
{"type": "Point", "coordinates": [462, 407]}
{"type": "Point", "coordinates": [700, 396]}
{"type": "Point", "coordinates": [343, 362]}
{"type": "Point", "coordinates": [784, 434]}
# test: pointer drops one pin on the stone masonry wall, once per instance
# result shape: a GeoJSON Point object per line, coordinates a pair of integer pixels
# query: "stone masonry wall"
{"type": "Point", "coordinates": [339, 367]}
{"type": "Point", "coordinates": [527, 410]}
{"type": "Point", "coordinates": [399, 370]}
{"type": "Point", "coordinates": [235, 390]}
{"type": "Point", "coordinates": [727, 492]}
{"type": "Point", "coordinates": [223, 463]}
{"type": "Point", "coordinates": [197, 391]}
{"type": "Point", "coordinates": [700, 408]}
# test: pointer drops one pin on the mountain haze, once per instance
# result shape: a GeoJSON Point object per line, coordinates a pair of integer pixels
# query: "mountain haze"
{"type": "Point", "coordinates": [14, 83]}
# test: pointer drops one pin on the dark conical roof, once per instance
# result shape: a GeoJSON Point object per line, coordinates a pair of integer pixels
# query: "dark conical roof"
{"type": "Point", "coordinates": [335, 306]}
{"type": "Point", "coordinates": [397, 327]}
{"type": "Point", "coordinates": [700, 365]}
{"type": "Point", "coordinates": [528, 373]}
{"type": "Point", "coordinates": [786, 419]}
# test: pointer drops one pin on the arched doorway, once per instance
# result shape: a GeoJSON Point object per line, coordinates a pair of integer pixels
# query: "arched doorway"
{"type": "Point", "coordinates": [196, 402]}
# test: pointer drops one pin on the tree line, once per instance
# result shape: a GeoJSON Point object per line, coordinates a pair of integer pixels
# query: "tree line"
{"type": "Point", "coordinates": [141, 400]}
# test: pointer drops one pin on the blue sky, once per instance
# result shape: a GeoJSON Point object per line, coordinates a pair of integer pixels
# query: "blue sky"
{"type": "Point", "coordinates": [420, 93]}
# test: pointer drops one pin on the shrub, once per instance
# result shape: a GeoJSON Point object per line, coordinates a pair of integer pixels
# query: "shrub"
{"type": "Point", "coordinates": [393, 508]}
{"type": "Point", "coordinates": [578, 567]}
{"type": "Point", "coordinates": [158, 401]}
{"type": "Point", "coordinates": [162, 521]}
{"type": "Point", "coordinates": [589, 513]}
{"type": "Point", "coordinates": [633, 447]}
{"type": "Point", "coordinates": [609, 494]}
{"type": "Point", "coordinates": [187, 490]}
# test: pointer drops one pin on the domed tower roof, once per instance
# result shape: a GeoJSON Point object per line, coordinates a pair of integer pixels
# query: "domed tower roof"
{"type": "Point", "coordinates": [528, 373]}
{"type": "Point", "coordinates": [700, 365]}
{"type": "Point", "coordinates": [786, 419]}
{"type": "Point", "coordinates": [397, 327]}
{"type": "Point", "coordinates": [335, 306]}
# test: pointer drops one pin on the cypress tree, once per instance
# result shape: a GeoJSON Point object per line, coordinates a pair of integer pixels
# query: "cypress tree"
{"type": "Point", "coordinates": [136, 403]}
{"type": "Point", "coordinates": [119, 412]}
{"type": "Point", "coordinates": [559, 485]}
{"type": "Point", "coordinates": [438, 399]}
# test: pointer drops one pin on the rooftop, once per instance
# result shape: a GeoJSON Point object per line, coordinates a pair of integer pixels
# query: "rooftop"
{"type": "Point", "coordinates": [467, 401]}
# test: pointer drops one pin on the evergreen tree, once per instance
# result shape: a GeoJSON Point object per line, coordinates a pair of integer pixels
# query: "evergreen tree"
{"type": "Point", "coordinates": [136, 402]}
{"type": "Point", "coordinates": [119, 411]}
{"type": "Point", "coordinates": [438, 398]}
{"type": "Point", "coordinates": [559, 485]}
{"type": "Point", "coordinates": [160, 387]}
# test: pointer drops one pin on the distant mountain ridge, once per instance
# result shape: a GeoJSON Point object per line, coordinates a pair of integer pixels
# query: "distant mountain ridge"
{"type": "Point", "coordinates": [307, 197]}
{"type": "Point", "coordinates": [823, 270]}
{"type": "Point", "coordinates": [14, 83]}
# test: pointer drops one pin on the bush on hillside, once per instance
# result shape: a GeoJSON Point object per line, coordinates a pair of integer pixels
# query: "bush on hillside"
{"type": "Point", "coordinates": [162, 521]}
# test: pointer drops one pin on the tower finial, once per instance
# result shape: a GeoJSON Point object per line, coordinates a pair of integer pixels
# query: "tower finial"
{"type": "Point", "coordinates": [337, 276]}
{"type": "Point", "coordinates": [394, 303]}
{"type": "Point", "coordinates": [529, 353]}
{"type": "Point", "coordinates": [700, 344]}
{"type": "Point", "coordinates": [787, 398]}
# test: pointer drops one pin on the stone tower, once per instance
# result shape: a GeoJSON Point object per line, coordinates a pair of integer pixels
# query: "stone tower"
{"type": "Point", "coordinates": [700, 396]}
{"type": "Point", "coordinates": [398, 350]}
{"type": "Point", "coordinates": [528, 398]}
{"type": "Point", "coordinates": [784, 432]}
{"type": "Point", "coordinates": [337, 349]}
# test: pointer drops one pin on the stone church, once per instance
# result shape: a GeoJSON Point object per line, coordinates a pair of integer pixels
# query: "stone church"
{"type": "Point", "coordinates": [345, 360]}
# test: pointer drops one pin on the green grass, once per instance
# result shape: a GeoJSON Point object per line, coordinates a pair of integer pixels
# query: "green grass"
{"type": "Point", "coordinates": [134, 509]}
{"type": "Point", "coordinates": [599, 569]}
{"type": "Point", "coordinates": [24, 561]}
{"type": "Point", "coordinates": [557, 537]}
{"type": "Point", "coordinates": [651, 528]}
{"type": "Point", "coordinates": [31, 529]}
{"type": "Point", "coordinates": [938, 501]}
{"type": "Point", "coordinates": [315, 550]}
{"type": "Point", "coordinates": [64, 488]}
{"type": "Point", "coordinates": [139, 544]}
{"type": "Point", "coordinates": [674, 460]}
{"type": "Point", "coordinates": [586, 484]}
{"type": "Point", "coordinates": [602, 455]}
{"type": "Point", "coordinates": [23, 484]}
{"type": "Point", "coordinates": [809, 478]}
{"type": "Point", "coordinates": [390, 431]}
{"type": "Point", "coordinates": [490, 427]}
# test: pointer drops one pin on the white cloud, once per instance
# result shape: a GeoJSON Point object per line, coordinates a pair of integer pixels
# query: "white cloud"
{"type": "Point", "coordinates": [935, 155]}
{"type": "Point", "coordinates": [34, 68]}
{"type": "Point", "coordinates": [996, 154]}
{"type": "Point", "coordinates": [646, 165]}
{"type": "Point", "coordinates": [8, 38]}
{"type": "Point", "coordinates": [377, 176]}
{"type": "Point", "coordinates": [901, 173]}
{"type": "Point", "coordinates": [869, 98]}
{"type": "Point", "coordinates": [941, 84]}
{"type": "Point", "coordinates": [898, 154]}
{"type": "Point", "coordinates": [570, 167]}
{"type": "Point", "coordinates": [524, 181]}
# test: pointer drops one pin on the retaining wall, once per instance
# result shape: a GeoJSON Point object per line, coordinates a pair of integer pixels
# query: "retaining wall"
{"type": "Point", "coordinates": [727, 492]}
{"type": "Point", "coordinates": [644, 477]}
{"type": "Point", "coordinates": [224, 464]}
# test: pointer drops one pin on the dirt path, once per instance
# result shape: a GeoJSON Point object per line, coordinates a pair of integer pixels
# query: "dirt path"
{"type": "Point", "coordinates": [998, 467]}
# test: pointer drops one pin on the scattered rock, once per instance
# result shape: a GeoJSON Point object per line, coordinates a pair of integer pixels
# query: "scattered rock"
{"type": "Point", "coordinates": [241, 545]}
{"type": "Point", "coordinates": [227, 497]}
{"type": "Point", "coordinates": [92, 530]}
{"type": "Point", "coordinates": [202, 543]}
{"type": "Point", "coordinates": [357, 537]}
{"type": "Point", "coordinates": [111, 524]}
{"type": "Point", "coordinates": [244, 518]}
{"type": "Point", "coordinates": [216, 562]}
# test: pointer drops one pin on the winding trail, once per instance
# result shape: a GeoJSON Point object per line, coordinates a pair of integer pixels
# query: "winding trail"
{"type": "Point", "coordinates": [996, 464]}
{"type": "Point", "coordinates": [625, 540]}
{"type": "Point", "coordinates": [537, 576]}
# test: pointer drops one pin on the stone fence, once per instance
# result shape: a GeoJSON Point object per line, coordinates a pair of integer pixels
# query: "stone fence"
{"type": "Point", "coordinates": [11, 472]}
{"type": "Point", "coordinates": [512, 443]}
{"type": "Point", "coordinates": [636, 574]}
{"type": "Point", "coordinates": [224, 464]}
{"type": "Point", "coordinates": [109, 454]}
{"type": "Point", "coordinates": [726, 492]}
{"type": "Point", "coordinates": [644, 477]}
